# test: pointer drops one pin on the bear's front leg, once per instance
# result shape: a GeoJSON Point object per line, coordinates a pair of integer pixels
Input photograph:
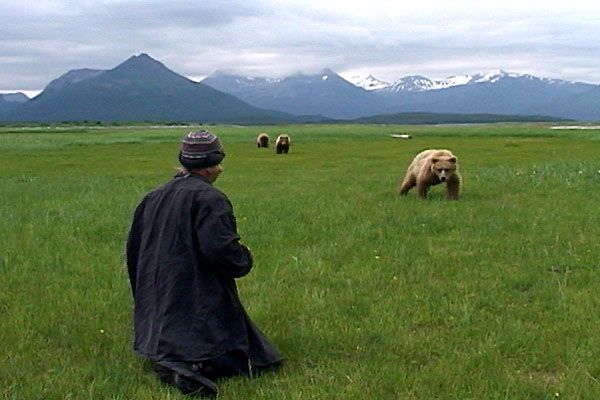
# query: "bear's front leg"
{"type": "Point", "coordinates": [452, 189]}
{"type": "Point", "coordinates": [422, 189]}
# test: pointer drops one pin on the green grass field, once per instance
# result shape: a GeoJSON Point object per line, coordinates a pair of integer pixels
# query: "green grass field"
{"type": "Point", "coordinates": [368, 295]}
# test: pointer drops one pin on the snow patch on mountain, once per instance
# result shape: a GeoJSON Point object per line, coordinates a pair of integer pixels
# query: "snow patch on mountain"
{"type": "Point", "coordinates": [452, 81]}
{"type": "Point", "coordinates": [414, 83]}
{"type": "Point", "coordinates": [366, 82]}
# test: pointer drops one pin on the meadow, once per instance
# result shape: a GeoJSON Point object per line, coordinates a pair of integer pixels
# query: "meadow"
{"type": "Point", "coordinates": [368, 295]}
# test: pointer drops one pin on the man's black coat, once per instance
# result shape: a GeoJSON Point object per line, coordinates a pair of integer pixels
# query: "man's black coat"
{"type": "Point", "coordinates": [183, 255]}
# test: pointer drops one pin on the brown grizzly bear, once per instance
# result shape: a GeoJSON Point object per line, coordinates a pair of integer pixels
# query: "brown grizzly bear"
{"type": "Point", "coordinates": [429, 168]}
{"type": "Point", "coordinates": [282, 144]}
{"type": "Point", "coordinates": [262, 140]}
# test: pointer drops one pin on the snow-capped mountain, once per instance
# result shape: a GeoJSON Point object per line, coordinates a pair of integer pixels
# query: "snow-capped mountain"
{"type": "Point", "coordinates": [367, 82]}
{"type": "Point", "coordinates": [334, 96]}
{"type": "Point", "coordinates": [324, 93]}
{"type": "Point", "coordinates": [419, 83]}
{"type": "Point", "coordinates": [238, 84]}
{"type": "Point", "coordinates": [493, 76]}
{"type": "Point", "coordinates": [413, 83]}
{"type": "Point", "coordinates": [143, 89]}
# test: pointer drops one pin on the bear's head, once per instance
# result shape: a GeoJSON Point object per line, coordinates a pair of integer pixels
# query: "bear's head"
{"type": "Point", "coordinates": [263, 139]}
{"type": "Point", "coordinates": [443, 167]}
{"type": "Point", "coordinates": [283, 140]}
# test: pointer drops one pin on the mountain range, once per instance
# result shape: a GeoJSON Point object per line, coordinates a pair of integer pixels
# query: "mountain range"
{"type": "Point", "coordinates": [143, 89]}
{"type": "Point", "coordinates": [496, 92]}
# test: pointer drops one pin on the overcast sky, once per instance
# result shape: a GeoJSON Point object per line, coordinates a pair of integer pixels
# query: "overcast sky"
{"type": "Point", "coordinates": [43, 39]}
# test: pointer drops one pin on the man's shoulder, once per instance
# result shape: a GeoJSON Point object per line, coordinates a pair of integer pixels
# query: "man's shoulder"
{"type": "Point", "coordinates": [195, 187]}
{"type": "Point", "coordinates": [200, 188]}
{"type": "Point", "coordinates": [186, 183]}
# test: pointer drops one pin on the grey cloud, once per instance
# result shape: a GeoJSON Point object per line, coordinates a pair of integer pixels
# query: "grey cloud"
{"type": "Point", "coordinates": [269, 38]}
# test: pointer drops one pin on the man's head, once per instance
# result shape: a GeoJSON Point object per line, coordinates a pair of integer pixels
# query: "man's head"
{"type": "Point", "coordinates": [202, 150]}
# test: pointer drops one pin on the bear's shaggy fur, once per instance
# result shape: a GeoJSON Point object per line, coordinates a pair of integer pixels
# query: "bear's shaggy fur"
{"type": "Point", "coordinates": [282, 144]}
{"type": "Point", "coordinates": [429, 168]}
{"type": "Point", "coordinates": [262, 140]}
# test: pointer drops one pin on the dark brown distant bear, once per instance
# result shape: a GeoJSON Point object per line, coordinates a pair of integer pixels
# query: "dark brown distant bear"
{"type": "Point", "coordinates": [282, 144]}
{"type": "Point", "coordinates": [431, 167]}
{"type": "Point", "coordinates": [262, 140]}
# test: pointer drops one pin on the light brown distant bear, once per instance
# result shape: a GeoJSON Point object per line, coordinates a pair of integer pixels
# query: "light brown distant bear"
{"type": "Point", "coordinates": [282, 144]}
{"type": "Point", "coordinates": [429, 168]}
{"type": "Point", "coordinates": [262, 140]}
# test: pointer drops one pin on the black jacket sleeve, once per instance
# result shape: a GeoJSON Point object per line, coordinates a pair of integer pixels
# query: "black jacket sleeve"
{"type": "Point", "coordinates": [219, 241]}
{"type": "Point", "coordinates": [133, 245]}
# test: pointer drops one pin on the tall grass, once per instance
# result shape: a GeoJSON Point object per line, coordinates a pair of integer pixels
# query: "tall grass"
{"type": "Point", "coordinates": [368, 295]}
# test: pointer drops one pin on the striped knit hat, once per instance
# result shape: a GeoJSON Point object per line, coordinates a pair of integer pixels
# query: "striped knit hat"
{"type": "Point", "coordinates": [200, 149]}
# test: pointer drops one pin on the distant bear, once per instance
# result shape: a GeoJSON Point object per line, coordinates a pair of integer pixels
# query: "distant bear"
{"type": "Point", "coordinates": [429, 168]}
{"type": "Point", "coordinates": [262, 140]}
{"type": "Point", "coordinates": [282, 144]}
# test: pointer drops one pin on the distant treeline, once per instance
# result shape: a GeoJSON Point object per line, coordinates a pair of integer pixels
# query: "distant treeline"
{"type": "Point", "coordinates": [392, 119]}
{"type": "Point", "coordinates": [433, 118]}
